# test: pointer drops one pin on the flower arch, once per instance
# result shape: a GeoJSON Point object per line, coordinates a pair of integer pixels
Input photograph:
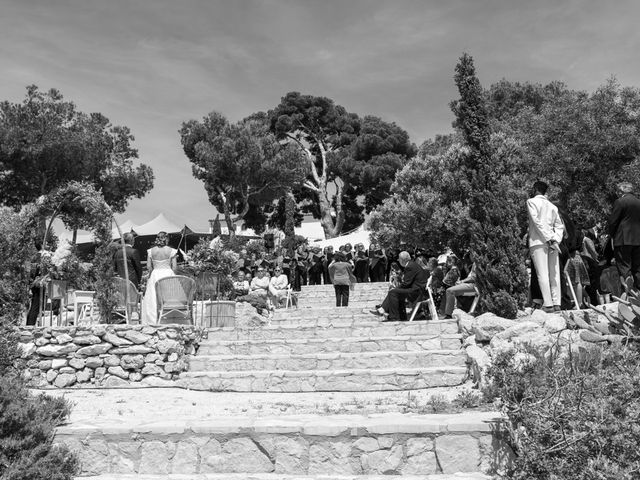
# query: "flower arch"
{"type": "Point", "coordinates": [80, 206]}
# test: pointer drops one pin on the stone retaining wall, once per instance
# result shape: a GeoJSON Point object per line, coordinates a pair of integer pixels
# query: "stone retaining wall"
{"type": "Point", "coordinates": [107, 355]}
{"type": "Point", "coordinates": [393, 444]}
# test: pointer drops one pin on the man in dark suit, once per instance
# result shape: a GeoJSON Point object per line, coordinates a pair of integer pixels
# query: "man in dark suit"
{"type": "Point", "coordinates": [414, 281]}
{"type": "Point", "coordinates": [134, 267]}
{"type": "Point", "coordinates": [624, 230]}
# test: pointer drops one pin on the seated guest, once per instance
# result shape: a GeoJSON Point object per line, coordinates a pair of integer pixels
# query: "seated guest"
{"type": "Point", "coordinates": [240, 284]}
{"type": "Point", "coordinates": [414, 281]}
{"type": "Point", "coordinates": [395, 275]}
{"type": "Point", "coordinates": [452, 274]}
{"type": "Point", "coordinates": [437, 286]}
{"type": "Point", "coordinates": [278, 287]}
{"type": "Point", "coordinates": [464, 286]}
{"type": "Point", "coordinates": [259, 285]}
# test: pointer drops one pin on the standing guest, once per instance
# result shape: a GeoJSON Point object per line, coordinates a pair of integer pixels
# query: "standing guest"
{"type": "Point", "coordinates": [328, 258]}
{"type": "Point", "coordinates": [341, 273]}
{"type": "Point", "coordinates": [302, 266]}
{"type": "Point", "coordinates": [589, 256]}
{"type": "Point", "coordinates": [546, 231]}
{"type": "Point", "coordinates": [361, 268]}
{"type": "Point", "coordinates": [377, 263]}
{"type": "Point", "coordinates": [132, 257]}
{"type": "Point", "coordinates": [392, 256]}
{"type": "Point", "coordinates": [414, 281]}
{"type": "Point", "coordinates": [576, 271]}
{"type": "Point", "coordinates": [278, 287]}
{"type": "Point", "coordinates": [624, 229]}
{"type": "Point", "coordinates": [315, 266]}
{"type": "Point", "coordinates": [348, 252]}
{"type": "Point", "coordinates": [161, 262]}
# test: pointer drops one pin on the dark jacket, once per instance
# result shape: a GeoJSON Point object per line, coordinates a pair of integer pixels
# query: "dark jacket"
{"type": "Point", "coordinates": [624, 221]}
{"type": "Point", "coordinates": [134, 266]}
{"type": "Point", "coordinates": [414, 279]}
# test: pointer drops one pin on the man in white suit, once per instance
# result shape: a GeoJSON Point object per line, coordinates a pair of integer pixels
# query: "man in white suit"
{"type": "Point", "coordinates": [545, 234]}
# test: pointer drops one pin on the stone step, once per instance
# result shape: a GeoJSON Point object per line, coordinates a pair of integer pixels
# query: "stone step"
{"type": "Point", "coordinates": [329, 361]}
{"type": "Point", "coordinates": [300, 346]}
{"type": "Point", "coordinates": [325, 316]}
{"type": "Point", "coordinates": [328, 447]}
{"type": "Point", "coordinates": [271, 476]}
{"type": "Point", "coordinates": [364, 329]}
{"type": "Point", "coordinates": [366, 286]}
{"type": "Point", "coordinates": [347, 380]}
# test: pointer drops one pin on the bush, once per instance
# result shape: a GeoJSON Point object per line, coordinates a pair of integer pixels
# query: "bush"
{"type": "Point", "coordinates": [502, 304]}
{"type": "Point", "coordinates": [27, 423]}
{"type": "Point", "coordinates": [571, 418]}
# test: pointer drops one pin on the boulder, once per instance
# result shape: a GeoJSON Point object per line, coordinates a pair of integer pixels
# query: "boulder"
{"type": "Point", "coordinates": [27, 349]}
{"type": "Point", "coordinates": [480, 361]}
{"type": "Point", "coordinates": [93, 350]}
{"type": "Point", "coordinates": [118, 372]}
{"type": "Point", "coordinates": [64, 338]}
{"type": "Point", "coordinates": [135, 337]}
{"type": "Point", "coordinates": [116, 340]}
{"type": "Point", "coordinates": [77, 363]}
{"type": "Point", "coordinates": [169, 346]}
{"type": "Point", "coordinates": [112, 381]}
{"type": "Point", "coordinates": [465, 321]}
{"type": "Point", "coordinates": [488, 324]}
{"type": "Point", "coordinates": [94, 362]}
{"type": "Point", "coordinates": [58, 363]}
{"type": "Point", "coordinates": [51, 350]}
{"type": "Point", "coordinates": [84, 375]}
{"type": "Point", "coordinates": [132, 362]}
{"type": "Point", "coordinates": [522, 333]}
{"type": "Point", "coordinates": [65, 380]}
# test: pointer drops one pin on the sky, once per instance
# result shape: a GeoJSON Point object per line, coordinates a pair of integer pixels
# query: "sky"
{"type": "Point", "coordinates": [153, 64]}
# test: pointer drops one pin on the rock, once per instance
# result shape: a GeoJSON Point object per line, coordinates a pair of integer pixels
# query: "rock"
{"type": "Point", "coordinates": [589, 336]}
{"type": "Point", "coordinates": [118, 372]}
{"type": "Point", "coordinates": [420, 457]}
{"type": "Point", "coordinates": [488, 324]}
{"type": "Point", "coordinates": [93, 350]}
{"type": "Point", "coordinates": [328, 457]}
{"type": "Point", "coordinates": [64, 338]}
{"type": "Point", "coordinates": [67, 370]}
{"type": "Point", "coordinates": [291, 455]}
{"type": "Point", "coordinates": [99, 330]}
{"type": "Point", "coordinates": [45, 364]}
{"type": "Point", "coordinates": [135, 376]}
{"type": "Point", "coordinates": [458, 453]}
{"type": "Point", "coordinates": [84, 375]}
{"type": "Point", "coordinates": [99, 372]}
{"type": "Point", "coordinates": [185, 459]}
{"type": "Point", "coordinates": [132, 350]}
{"type": "Point", "coordinates": [151, 369]}
{"type": "Point", "coordinates": [157, 382]}
{"type": "Point", "coordinates": [65, 380]}
{"type": "Point", "coordinates": [242, 455]}
{"type": "Point", "coordinates": [58, 363]}
{"type": "Point", "coordinates": [152, 357]}
{"type": "Point", "coordinates": [27, 349]}
{"type": "Point", "coordinates": [51, 350]}
{"type": "Point", "coordinates": [465, 321]}
{"type": "Point", "coordinates": [479, 361]}
{"type": "Point", "coordinates": [94, 362]}
{"type": "Point", "coordinates": [135, 337]}
{"type": "Point", "coordinates": [112, 381]}
{"type": "Point", "coordinates": [40, 341]}
{"type": "Point", "coordinates": [168, 346]}
{"type": "Point", "coordinates": [112, 360]}
{"type": "Point", "coordinates": [51, 375]}
{"type": "Point", "coordinates": [367, 444]}
{"type": "Point", "coordinates": [132, 362]}
{"type": "Point", "coordinates": [77, 363]}
{"type": "Point", "coordinates": [522, 333]}
{"type": "Point", "coordinates": [87, 340]}
{"type": "Point", "coordinates": [383, 462]}
{"type": "Point", "coordinates": [149, 330]}
{"type": "Point", "coordinates": [115, 340]}
{"type": "Point", "coordinates": [172, 357]}
{"type": "Point", "coordinates": [470, 340]}
{"type": "Point", "coordinates": [154, 458]}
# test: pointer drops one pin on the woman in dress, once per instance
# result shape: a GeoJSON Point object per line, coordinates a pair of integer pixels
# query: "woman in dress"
{"type": "Point", "coordinates": [161, 262]}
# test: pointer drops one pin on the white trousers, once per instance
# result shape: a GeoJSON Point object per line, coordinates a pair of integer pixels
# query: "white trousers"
{"type": "Point", "coordinates": [547, 263]}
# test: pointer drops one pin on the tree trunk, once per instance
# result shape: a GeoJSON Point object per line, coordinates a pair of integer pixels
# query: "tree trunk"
{"type": "Point", "coordinates": [75, 235]}
{"type": "Point", "coordinates": [326, 220]}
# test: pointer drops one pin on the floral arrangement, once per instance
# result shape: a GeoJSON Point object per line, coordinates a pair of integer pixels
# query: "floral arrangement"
{"type": "Point", "coordinates": [64, 264]}
{"type": "Point", "coordinates": [214, 257]}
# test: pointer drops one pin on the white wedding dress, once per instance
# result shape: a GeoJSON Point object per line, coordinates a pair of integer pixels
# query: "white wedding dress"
{"type": "Point", "coordinates": [161, 269]}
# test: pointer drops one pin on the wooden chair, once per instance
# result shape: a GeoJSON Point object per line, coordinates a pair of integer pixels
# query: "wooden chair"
{"type": "Point", "coordinates": [175, 298]}
{"type": "Point", "coordinates": [55, 290]}
{"type": "Point", "coordinates": [427, 299]}
{"type": "Point", "coordinates": [292, 300]}
{"type": "Point", "coordinates": [121, 309]}
{"type": "Point", "coordinates": [476, 294]}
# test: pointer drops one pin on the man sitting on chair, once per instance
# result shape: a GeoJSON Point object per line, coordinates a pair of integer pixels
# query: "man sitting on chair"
{"type": "Point", "coordinates": [468, 285]}
{"type": "Point", "coordinates": [411, 287]}
{"type": "Point", "coordinates": [278, 287]}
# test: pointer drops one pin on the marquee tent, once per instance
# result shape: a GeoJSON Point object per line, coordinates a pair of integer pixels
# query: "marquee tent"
{"type": "Point", "coordinates": [361, 235]}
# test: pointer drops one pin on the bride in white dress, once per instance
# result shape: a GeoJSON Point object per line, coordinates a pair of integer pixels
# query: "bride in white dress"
{"type": "Point", "coordinates": [161, 262]}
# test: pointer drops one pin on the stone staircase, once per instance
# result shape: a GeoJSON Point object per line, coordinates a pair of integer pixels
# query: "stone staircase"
{"type": "Point", "coordinates": [305, 361]}
{"type": "Point", "coordinates": [320, 347]}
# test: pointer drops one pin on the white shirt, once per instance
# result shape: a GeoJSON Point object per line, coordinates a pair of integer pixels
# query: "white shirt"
{"type": "Point", "coordinates": [281, 282]}
{"type": "Point", "coordinates": [545, 223]}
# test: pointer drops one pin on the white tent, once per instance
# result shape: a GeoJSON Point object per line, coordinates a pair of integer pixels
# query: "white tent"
{"type": "Point", "coordinates": [359, 236]}
{"type": "Point", "coordinates": [158, 224]}
{"type": "Point", "coordinates": [312, 231]}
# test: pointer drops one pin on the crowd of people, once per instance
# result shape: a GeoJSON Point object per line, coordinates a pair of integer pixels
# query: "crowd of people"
{"type": "Point", "coordinates": [568, 266]}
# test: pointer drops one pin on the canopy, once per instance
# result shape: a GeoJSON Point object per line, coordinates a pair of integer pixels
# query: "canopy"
{"type": "Point", "coordinates": [359, 236]}
{"type": "Point", "coordinates": [158, 224]}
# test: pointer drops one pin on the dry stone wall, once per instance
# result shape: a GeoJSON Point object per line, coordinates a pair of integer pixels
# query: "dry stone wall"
{"type": "Point", "coordinates": [107, 355]}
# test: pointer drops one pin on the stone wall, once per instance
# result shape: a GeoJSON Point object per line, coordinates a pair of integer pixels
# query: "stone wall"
{"type": "Point", "coordinates": [107, 355]}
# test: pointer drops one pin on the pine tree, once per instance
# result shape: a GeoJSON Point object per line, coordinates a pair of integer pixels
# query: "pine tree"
{"type": "Point", "coordinates": [494, 239]}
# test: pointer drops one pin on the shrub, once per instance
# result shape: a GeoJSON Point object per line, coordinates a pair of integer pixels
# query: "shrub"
{"type": "Point", "coordinates": [571, 417]}
{"type": "Point", "coordinates": [502, 304]}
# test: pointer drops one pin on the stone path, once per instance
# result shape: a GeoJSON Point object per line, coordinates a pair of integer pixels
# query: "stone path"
{"type": "Point", "coordinates": [320, 347]}
{"type": "Point", "coordinates": [319, 394]}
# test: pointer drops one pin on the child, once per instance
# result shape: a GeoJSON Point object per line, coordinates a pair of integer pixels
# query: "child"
{"type": "Point", "coordinates": [395, 275]}
{"type": "Point", "coordinates": [578, 275]}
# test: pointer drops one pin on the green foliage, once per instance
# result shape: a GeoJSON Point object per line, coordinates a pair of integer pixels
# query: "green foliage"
{"type": "Point", "coordinates": [27, 424]}
{"type": "Point", "coordinates": [572, 417]}
{"type": "Point", "coordinates": [502, 304]}
{"type": "Point", "coordinates": [46, 142]}
{"type": "Point", "coordinates": [242, 165]}
{"type": "Point", "coordinates": [217, 258]}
